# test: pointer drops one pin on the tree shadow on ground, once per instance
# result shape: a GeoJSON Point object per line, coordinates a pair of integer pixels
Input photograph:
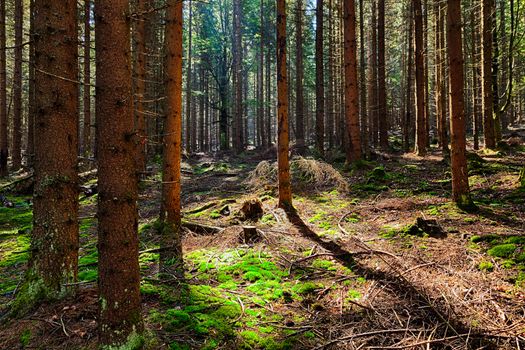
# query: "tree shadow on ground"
{"type": "Point", "coordinates": [433, 317]}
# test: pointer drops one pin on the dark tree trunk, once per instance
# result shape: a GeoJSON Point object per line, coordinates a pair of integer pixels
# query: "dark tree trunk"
{"type": "Point", "coordinates": [351, 84]}
{"type": "Point", "coordinates": [381, 84]}
{"type": "Point", "coordinates": [487, 11]}
{"type": "Point", "coordinates": [53, 264]}
{"type": "Point", "coordinates": [86, 135]}
{"type": "Point", "coordinates": [299, 93]}
{"type": "Point", "coordinates": [120, 319]}
{"type": "Point", "coordinates": [421, 141]}
{"type": "Point", "coordinates": [16, 154]}
{"type": "Point", "coordinates": [30, 152]}
{"type": "Point", "coordinates": [319, 79]}
{"type": "Point", "coordinates": [141, 57]}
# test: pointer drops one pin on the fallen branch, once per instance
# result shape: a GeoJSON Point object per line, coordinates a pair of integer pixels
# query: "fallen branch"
{"type": "Point", "coordinates": [201, 228]}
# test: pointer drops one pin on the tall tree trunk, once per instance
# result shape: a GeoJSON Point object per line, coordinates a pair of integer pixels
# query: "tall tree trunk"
{"type": "Point", "coordinates": [351, 84]}
{"type": "Point", "coordinates": [140, 84]}
{"type": "Point", "coordinates": [53, 264]}
{"type": "Point", "coordinates": [362, 82]}
{"type": "Point", "coordinates": [319, 79]}
{"type": "Point", "coordinates": [495, 75]}
{"type": "Point", "coordinates": [329, 110]}
{"type": "Point", "coordinates": [285, 191]}
{"type": "Point", "coordinates": [4, 145]}
{"type": "Point", "coordinates": [476, 89]}
{"type": "Point", "coordinates": [372, 79]}
{"type": "Point", "coordinates": [299, 93]}
{"type": "Point", "coordinates": [460, 185]}
{"type": "Point", "coordinates": [487, 11]}
{"type": "Point", "coordinates": [86, 135]}
{"type": "Point", "coordinates": [16, 154]}
{"type": "Point", "coordinates": [30, 152]}
{"type": "Point", "coordinates": [381, 85]}
{"type": "Point", "coordinates": [120, 319]}
{"type": "Point", "coordinates": [237, 81]}
{"type": "Point", "coordinates": [421, 141]}
{"type": "Point", "coordinates": [407, 124]}
{"type": "Point", "coordinates": [261, 131]}
{"type": "Point", "coordinates": [441, 98]}
{"type": "Point", "coordinates": [171, 259]}
{"type": "Point", "coordinates": [269, 136]}
{"type": "Point", "coordinates": [189, 81]}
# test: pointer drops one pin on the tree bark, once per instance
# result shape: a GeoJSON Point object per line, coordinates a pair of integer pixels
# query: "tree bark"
{"type": "Point", "coordinates": [319, 79]}
{"type": "Point", "coordinates": [441, 98]}
{"type": "Point", "coordinates": [460, 185]}
{"type": "Point", "coordinates": [16, 154]}
{"type": "Point", "coordinates": [372, 79]}
{"type": "Point", "coordinates": [171, 258]}
{"type": "Point", "coordinates": [30, 151]}
{"type": "Point", "coordinates": [487, 11]}
{"type": "Point", "coordinates": [299, 92]}
{"type": "Point", "coordinates": [86, 135]}
{"type": "Point", "coordinates": [362, 82]}
{"type": "Point", "coordinates": [351, 84]}
{"type": "Point", "coordinates": [421, 142]}
{"type": "Point", "coordinates": [120, 319]}
{"type": "Point", "coordinates": [53, 264]}
{"type": "Point", "coordinates": [4, 145]}
{"type": "Point", "coordinates": [381, 84]}
{"type": "Point", "coordinates": [285, 191]}
{"type": "Point", "coordinates": [188, 81]}
{"type": "Point", "coordinates": [140, 84]}
{"type": "Point", "coordinates": [237, 81]}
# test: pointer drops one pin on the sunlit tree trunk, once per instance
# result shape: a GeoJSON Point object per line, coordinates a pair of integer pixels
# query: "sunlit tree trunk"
{"type": "Point", "coordinates": [120, 318]}
{"type": "Point", "coordinates": [171, 258]}
{"type": "Point", "coordinates": [53, 264]}
{"type": "Point", "coordinates": [460, 185]}
{"type": "Point", "coordinates": [285, 191]}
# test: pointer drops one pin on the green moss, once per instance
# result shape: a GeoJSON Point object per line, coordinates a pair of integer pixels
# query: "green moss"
{"type": "Point", "coordinates": [14, 251]}
{"type": "Point", "coordinates": [484, 238]}
{"type": "Point", "coordinates": [515, 240]}
{"type": "Point", "coordinates": [324, 264]}
{"type": "Point", "coordinates": [134, 341]}
{"type": "Point", "coordinates": [305, 288]}
{"type": "Point", "coordinates": [25, 338]}
{"type": "Point", "coordinates": [268, 219]}
{"type": "Point", "coordinates": [485, 266]}
{"type": "Point", "coordinates": [215, 214]}
{"type": "Point", "coordinates": [502, 250]}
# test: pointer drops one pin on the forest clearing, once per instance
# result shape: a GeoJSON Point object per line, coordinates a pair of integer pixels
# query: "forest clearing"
{"type": "Point", "coordinates": [257, 174]}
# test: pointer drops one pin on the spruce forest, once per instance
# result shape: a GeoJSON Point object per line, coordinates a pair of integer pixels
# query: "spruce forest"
{"type": "Point", "coordinates": [262, 174]}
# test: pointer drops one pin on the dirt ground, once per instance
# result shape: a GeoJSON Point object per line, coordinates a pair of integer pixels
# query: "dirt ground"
{"type": "Point", "coordinates": [354, 267]}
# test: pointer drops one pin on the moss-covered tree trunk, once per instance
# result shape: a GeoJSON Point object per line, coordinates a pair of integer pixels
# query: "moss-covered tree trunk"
{"type": "Point", "coordinates": [171, 256]}
{"type": "Point", "coordinates": [120, 320]}
{"type": "Point", "coordinates": [460, 186]}
{"type": "Point", "coordinates": [54, 242]}
{"type": "Point", "coordinates": [285, 192]}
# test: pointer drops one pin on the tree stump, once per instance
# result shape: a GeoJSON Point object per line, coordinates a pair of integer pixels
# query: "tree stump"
{"type": "Point", "coordinates": [249, 235]}
{"type": "Point", "coordinates": [251, 210]}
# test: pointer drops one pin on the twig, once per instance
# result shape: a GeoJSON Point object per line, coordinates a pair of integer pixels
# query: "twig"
{"type": "Point", "coordinates": [366, 334]}
{"type": "Point", "coordinates": [424, 342]}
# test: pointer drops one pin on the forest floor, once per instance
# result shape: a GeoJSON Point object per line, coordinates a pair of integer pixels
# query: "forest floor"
{"type": "Point", "coordinates": [348, 270]}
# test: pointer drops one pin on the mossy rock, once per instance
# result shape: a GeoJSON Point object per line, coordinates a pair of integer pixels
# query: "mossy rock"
{"type": "Point", "coordinates": [484, 238]}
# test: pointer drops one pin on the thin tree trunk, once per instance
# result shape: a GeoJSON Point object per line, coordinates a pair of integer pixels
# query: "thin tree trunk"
{"type": "Point", "coordinates": [421, 141]}
{"type": "Point", "coordinates": [460, 185]}
{"type": "Point", "coordinates": [381, 84]}
{"type": "Point", "coordinates": [86, 135]}
{"type": "Point", "coordinates": [120, 318]}
{"type": "Point", "coordinates": [408, 106]}
{"type": "Point", "coordinates": [16, 155]}
{"type": "Point", "coordinates": [141, 57]}
{"type": "Point", "coordinates": [299, 93]}
{"type": "Point", "coordinates": [237, 81]}
{"type": "Point", "coordinates": [4, 145]}
{"type": "Point", "coordinates": [487, 11]}
{"type": "Point", "coordinates": [476, 98]}
{"type": "Point", "coordinates": [372, 79]}
{"type": "Point", "coordinates": [30, 152]}
{"type": "Point", "coordinates": [319, 79]}
{"type": "Point", "coordinates": [351, 84]}
{"type": "Point", "coordinates": [171, 259]}
{"type": "Point", "coordinates": [362, 82]}
{"type": "Point", "coordinates": [189, 81]}
{"type": "Point", "coordinates": [329, 129]}
{"type": "Point", "coordinates": [285, 191]}
{"type": "Point", "coordinates": [53, 265]}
